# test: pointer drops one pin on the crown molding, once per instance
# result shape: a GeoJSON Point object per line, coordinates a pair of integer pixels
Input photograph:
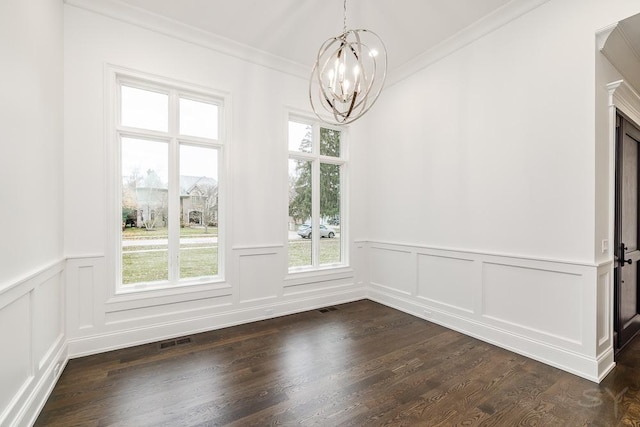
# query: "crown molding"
{"type": "Point", "coordinates": [123, 12]}
{"type": "Point", "coordinates": [139, 17]}
{"type": "Point", "coordinates": [603, 35]}
{"type": "Point", "coordinates": [623, 54]}
{"type": "Point", "coordinates": [634, 48]}
{"type": "Point", "coordinates": [495, 20]}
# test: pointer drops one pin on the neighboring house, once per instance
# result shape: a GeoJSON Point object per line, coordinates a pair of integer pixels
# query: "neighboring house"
{"type": "Point", "coordinates": [199, 200]}
{"type": "Point", "coordinates": [151, 207]}
{"type": "Point", "coordinates": [198, 203]}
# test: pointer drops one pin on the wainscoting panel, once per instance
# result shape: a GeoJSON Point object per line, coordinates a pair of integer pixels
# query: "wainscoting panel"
{"type": "Point", "coordinates": [149, 316]}
{"type": "Point", "coordinates": [47, 317]}
{"type": "Point", "coordinates": [604, 301]}
{"type": "Point", "coordinates": [256, 287]}
{"type": "Point", "coordinates": [447, 281]}
{"type": "Point", "coordinates": [258, 274]}
{"type": "Point", "coordinates": [393, 269]}
{"type": "Point", "coordinates": [34, 348]}
{"type": "Point", "coordinates": [16, 367]}
{"type": "Point", "coordinates": [533, 301]}
{"type": "Point", "coordinates": [604, 308]}
{"type": "Point", "coordinates": [359, 262]}
{"type": "Point", "coordinates": [86, 296]}
{"type": "Point", "coordinates": [308, 286]}
{"type": "Point", "coordinates": [553, 311]}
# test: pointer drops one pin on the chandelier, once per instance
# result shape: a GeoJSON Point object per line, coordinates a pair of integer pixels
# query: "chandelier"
{"type": "Point", "coordinates": [348, 75]}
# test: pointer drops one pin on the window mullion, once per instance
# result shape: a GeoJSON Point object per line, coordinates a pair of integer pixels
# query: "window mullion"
{"type": "Point", "coordinates": [131, 132]}
{"type": "Point", "coordinates": [118, 202]}
{"type": "Point", "coordinates": [315, 196]}
{"type": "Point", "coordinates": [332, 160]}
{"type": "Point", "coordinates": [343, 214]}
{"type": "Point", "coordinates": [174, 191]}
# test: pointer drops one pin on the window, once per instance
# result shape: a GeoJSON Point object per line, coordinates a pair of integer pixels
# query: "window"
{"type": "Point", "coordinates": [169, 162]}
{"type": "Point", "coordinates": [316, 196]}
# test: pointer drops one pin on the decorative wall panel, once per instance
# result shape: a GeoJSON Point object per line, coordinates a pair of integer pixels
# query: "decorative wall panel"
{"type": "Point", "coordinates": [393, 268]}
{"type": "Point", "coordinates": [447, 281]}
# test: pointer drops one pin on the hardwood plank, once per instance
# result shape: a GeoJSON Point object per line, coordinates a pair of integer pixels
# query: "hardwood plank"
{"type": "Point", "coordinates": [363, 364]}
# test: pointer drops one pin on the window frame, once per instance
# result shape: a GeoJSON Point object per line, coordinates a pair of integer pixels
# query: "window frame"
{"type": "Point", "coordinates": [316, 160]}
{"type": "Point", "coordinates": [116, 78]}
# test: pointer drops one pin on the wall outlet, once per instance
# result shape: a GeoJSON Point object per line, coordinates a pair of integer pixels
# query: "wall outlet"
{"type": "Point", "coordinates": [56, 369]}
{"type": "Point", "coordinates": [268, 311]}
{"type": "Point", "coordinates": [605, 246]}
{"type": "Point", "coordinates": [428, 314]}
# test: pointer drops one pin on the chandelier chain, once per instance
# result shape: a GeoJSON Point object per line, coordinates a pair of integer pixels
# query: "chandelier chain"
{"type": "Point", "coordinates": [344, 21]}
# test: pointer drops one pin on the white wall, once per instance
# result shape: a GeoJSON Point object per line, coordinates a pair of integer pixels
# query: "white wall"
{"type": "Point", "coordinates": [31, 114]}
{"type": "Point", "coordinates": [490, 160]}
{"type": "Point", "coordinates": [31, 255]}
{"type": "Point", "coordinates": [477, 195]}
{"type": "Point", "coordinates": [257, 284]}
{"type": "Point", "coordinates": [482, 187]}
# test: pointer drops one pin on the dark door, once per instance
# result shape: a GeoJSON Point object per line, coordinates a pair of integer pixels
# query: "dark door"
{"type": "Point", "coordinates": [627, 266]}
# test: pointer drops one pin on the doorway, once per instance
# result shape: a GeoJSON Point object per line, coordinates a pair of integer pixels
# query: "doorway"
{"type": "Point", "coordinates": [627, 232]}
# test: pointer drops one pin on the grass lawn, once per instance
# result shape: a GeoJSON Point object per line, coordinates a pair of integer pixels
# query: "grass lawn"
{"type": "Point", "coordinates": [144, 266]}
{"type": "Point", "coordinates": [197, 262]}
{"type": "Point", "coordinates": [161, 233]}
{"type": "Point", "coordinates": [300, 252]}
{"type": "Point", "coordinates": [151, 263]}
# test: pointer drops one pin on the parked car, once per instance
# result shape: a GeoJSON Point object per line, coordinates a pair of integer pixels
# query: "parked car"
{"type": "Point", "coordinates": [305, 231]}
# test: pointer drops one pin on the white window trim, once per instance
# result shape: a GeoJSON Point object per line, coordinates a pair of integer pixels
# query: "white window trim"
{"type": "Point", "coordinates": [137, 293]}
{"type": "Point", "coordinates": [294, 273]}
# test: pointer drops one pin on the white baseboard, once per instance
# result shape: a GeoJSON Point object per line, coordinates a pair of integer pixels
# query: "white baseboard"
{"type": "Point", "coordinates": [606, 363]}
{"type": "Point", "coordinates": [574, 363]}
{"type": "Point", "coordinates": [41, 392]}
{"type": "Point", "coordinates": [99, 343]}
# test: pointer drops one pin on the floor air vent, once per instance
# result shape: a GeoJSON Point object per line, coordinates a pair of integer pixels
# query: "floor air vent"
{"type": "Point", "coordinates": [327, 309]}
{"type": "Point", "coordinates": [173, 343]}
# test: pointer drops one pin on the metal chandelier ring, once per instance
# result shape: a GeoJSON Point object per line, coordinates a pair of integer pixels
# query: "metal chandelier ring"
{"type": "Point", "coordinates": [348, 76]}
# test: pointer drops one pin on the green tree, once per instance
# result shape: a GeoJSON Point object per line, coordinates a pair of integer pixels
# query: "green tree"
{"type": "Point", "coordinates": [129, 200]}
{"type": "Point", "coordinates": [329, 174]}
{"type": "Point", "coordinates": [300, 184]}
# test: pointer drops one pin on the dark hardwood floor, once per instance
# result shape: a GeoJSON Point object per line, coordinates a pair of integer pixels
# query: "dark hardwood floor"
{"type": "Point", "coordinates": [362, 364]}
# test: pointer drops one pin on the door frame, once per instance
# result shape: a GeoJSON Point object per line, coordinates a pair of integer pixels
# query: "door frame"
{"type": "Point", "coordinates": [624, 99]}
{"type": "Point", "coordinates": [624, 127]}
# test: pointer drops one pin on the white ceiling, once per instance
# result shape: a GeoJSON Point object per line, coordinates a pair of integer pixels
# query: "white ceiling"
{"type": "Point", "coordinates": [295, 29]}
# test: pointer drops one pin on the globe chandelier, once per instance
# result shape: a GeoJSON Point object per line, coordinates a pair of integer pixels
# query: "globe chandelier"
{"type": "Point", "coordinates": [348, 75]}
